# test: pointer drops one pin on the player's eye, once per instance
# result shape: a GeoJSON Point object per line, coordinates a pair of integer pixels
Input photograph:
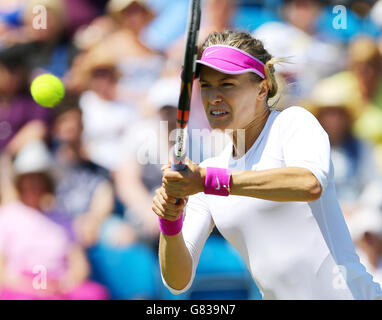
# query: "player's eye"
{"type": "Point", "coordinates": [204, 85]}
{"type": "Point", "coordinates": [227, 85]}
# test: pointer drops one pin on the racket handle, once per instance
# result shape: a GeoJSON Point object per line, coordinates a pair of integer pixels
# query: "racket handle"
{"type": "Point", "coordinates": [178, 167]}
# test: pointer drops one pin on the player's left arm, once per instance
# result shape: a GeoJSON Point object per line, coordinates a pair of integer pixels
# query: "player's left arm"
{"type": "Point", "coordinates": [280, 184]}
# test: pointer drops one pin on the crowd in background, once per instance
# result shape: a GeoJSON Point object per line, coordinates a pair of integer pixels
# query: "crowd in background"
{"type": "Point", "coordinates": [77, 180]}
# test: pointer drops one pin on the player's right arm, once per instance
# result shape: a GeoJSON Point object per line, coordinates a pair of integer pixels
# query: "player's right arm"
{"type": "Point", "coordinates": [175, 261]}
{"type": "Point", "coordinates": [179, 254]}
{"type": "Point", "coordinates": [174, 257]}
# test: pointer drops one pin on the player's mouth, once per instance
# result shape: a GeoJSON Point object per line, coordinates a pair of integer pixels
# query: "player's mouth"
{"type": "Point", "coordinates": [217, 113]}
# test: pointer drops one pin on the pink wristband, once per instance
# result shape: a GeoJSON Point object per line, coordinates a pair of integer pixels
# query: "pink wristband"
{"type": "Point", "coordinates": [171, 228]}
{"type": "Point", "coordinates": [218, 181]}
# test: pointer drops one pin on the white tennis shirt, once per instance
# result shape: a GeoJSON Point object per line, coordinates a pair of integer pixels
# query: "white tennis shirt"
{"type": "Point", "coordinates": [294, 250]}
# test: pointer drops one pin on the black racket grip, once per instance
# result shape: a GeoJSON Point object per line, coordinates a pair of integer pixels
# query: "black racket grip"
{"type": "Point", "coordinates": [178, 167]}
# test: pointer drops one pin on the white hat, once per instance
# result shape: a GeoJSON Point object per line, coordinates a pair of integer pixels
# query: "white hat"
{"type": "Point", "coordinates": [165, 92]}
{"type": "Point", "coordinates": [376, 13]}
{"type": "Point", "coordinates": [114, 7]}
{"type": "Point", "coordinates": [365, 220]}
{"type": "Point", "coordinates": [34, 157]}
{"type": "Point", "coordinates": [338, 90]}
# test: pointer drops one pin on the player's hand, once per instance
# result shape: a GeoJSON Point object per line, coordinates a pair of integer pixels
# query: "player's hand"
{"type": "Point", "coordinates": [165, 205]}
{"type": "Point", "coordinates": [181, 184]}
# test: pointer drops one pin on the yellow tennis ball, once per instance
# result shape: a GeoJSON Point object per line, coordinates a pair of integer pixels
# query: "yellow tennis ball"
{"type": "Point", "coordinates": [47, 90]}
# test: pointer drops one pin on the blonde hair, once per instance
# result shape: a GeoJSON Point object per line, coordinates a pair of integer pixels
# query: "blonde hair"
{"type": "Point", "coordinates": [244, 41]}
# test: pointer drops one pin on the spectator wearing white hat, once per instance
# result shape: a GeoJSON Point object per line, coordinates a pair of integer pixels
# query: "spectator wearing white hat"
{"type": "Point", "coordinates": [366, 230]}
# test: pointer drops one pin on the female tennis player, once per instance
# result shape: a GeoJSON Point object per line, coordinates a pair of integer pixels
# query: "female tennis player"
{"type": "Point", "coordinates": [270, 193]}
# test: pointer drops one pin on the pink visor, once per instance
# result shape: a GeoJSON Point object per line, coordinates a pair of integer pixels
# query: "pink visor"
{"type": "Point", "coordinates": [231, 60]}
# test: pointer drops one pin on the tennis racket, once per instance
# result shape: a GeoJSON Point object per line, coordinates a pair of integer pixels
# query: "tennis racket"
{"type": "Point", "coordinates": [188, 76]}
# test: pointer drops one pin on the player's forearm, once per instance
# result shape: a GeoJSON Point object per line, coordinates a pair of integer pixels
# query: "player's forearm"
{"type": "Point", "coordinates": [280, 184]}
{"type": "Point", "coordinates": [175, 261]}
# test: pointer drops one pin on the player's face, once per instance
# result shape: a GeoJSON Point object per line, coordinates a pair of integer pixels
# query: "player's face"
{"type": "Point", "coordinates": [230, 101]}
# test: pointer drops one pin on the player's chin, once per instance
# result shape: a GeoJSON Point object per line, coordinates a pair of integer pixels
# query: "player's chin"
{"type": "Point", "coordinates": [221, 123]}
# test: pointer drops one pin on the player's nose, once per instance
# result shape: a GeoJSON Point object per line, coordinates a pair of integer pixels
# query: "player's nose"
{"type": "Point", "coordinates": [214, 97]}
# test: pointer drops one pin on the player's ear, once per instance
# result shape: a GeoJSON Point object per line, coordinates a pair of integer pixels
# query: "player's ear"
{"type": "Point", "coordinates": [263, 90]}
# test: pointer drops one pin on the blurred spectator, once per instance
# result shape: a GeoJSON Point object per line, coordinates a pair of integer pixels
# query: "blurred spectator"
{"type": "Point", "coordinates": [82, 12]}
{"type": "Point", "coordinates": [119, 36]}
{"type": "Point", "coordinates": [366, 230]}
{"type": "Point", "coordinates": [217, 16]}
{"type": "Point", "coordinates": [139, 65]}
{"type": "Point", "coordinates": [309, 59]}
{"type": "Point", "coordinates": [49, 47]}
{"type": "Point", "coordinates": [336, 107]}
{"type": "Point", "coordinates": [343, 21]}
{"type": "Point", "coordinates": [146, 148]}
{"type": "Point", "coordinates": [364, 81]}
{"type": "Point", "coordinates": [21, 119]}
{"type": "Point", "coordinates": [84, 190]}
{"type": "Point", "coordinates": [168, 25]}
{"type": "Point", "coordinates": [264, 11]}
{"type": "Point", "coordinates": [8, 192]}
{"type": "Point", "coordinates": [89, 36]}
{"type": "Point", "coordinates": [376, 13]}
{"type": "Point", "coordinates": [10, 21]}
{"type": "Point", "coordinates": [39, 256]}
{"type": "Point", "coordinates": [365, 61]}
{"type": "Point", "coordinates": [172, 16]}
{"type": "Point", "coordinates": [365, 69]}
{"type": "Point", "coordinates": [132, 15]}
{"type": "Point", "coordinates": [56, 17]}
{"type": "Point", "coordinates": [303, 14]}
{"type": "Point", "coordinates": [105, 116]}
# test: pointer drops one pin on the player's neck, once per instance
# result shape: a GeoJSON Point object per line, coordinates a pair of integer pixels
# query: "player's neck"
{"type": "Point", "coordinates": [243, 139]}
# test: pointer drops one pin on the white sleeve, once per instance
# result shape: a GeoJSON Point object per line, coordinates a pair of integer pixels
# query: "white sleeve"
{"type": "Point", "coordinates": [305, 143]}
{"type": "Point", "coordinates": [197, 226]}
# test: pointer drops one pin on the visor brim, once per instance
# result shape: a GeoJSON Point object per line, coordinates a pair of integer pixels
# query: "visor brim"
{"type": "Point", "coordinates": [225, 67]}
